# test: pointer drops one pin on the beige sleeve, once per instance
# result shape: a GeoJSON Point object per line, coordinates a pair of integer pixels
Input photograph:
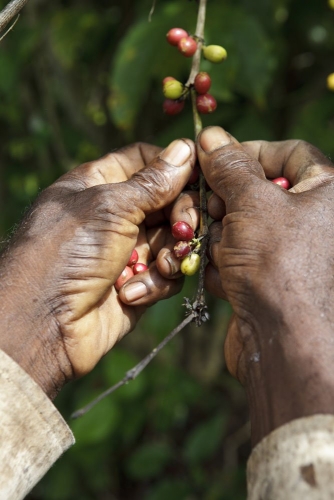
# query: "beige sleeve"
{"type": "Point", "coordinates": [32, 432]}
{"type": "Point", "coordinates": [295, 462]}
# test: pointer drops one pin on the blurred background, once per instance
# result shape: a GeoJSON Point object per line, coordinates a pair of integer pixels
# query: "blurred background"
{"type": "Point", "coordinates": [80, 78]}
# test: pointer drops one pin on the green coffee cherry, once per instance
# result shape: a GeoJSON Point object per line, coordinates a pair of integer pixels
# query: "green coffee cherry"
{"type": "Point", "coordinates": [190, 264]}
{"type": "Point", "coordinates": [173, 89]}
{"type": "Point", "coordinates": [214, 53]}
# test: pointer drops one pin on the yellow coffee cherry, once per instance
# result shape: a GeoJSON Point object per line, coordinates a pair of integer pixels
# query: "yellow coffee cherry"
{"type": "Point", "coordinates": [331, 4]}
{"type": "Point", "coordinates": [173, 89]}
{"type": "Point", "coordinates": [214, 53]}
{"type": "Point", "coordinates": [190, 264]}
{"type": "Point", "coordinates": [330, 82]}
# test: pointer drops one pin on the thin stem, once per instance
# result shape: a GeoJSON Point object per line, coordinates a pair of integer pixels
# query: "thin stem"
{"type": "Point", "coordinates": [136, 370]}
{"type": "Point", "coordinates": [10, 11]}
{"type": "Point", "coordinates": [10, 27]}
{"type": "Point", "coordinates": [199, 34]}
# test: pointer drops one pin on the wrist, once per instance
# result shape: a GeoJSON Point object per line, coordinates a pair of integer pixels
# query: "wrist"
{"type": "Point", "coordinates": [287, 374]}
{"type": "Point", "coordinates": [29, 333]}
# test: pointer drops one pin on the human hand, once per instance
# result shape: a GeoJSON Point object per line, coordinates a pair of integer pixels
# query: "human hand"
{"type": "Point", "coordinates": [272, 257]}
{"type": "Point", "coordinates": [60, 310]}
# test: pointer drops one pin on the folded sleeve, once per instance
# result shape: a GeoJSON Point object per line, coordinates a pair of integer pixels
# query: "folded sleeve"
{"type": "Point", "coordinates": [294, 462]}
{"type": "Point", "coordinates": [32, 432]}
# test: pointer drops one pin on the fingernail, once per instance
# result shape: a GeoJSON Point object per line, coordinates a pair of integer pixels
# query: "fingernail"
{"type": "Point", "coordinates": [177, 153]}
{"type": "Point", "coordinates": [135, 291]}
{"type": "Point", "coordinates": [214, 138]}
{"type": "Point", "coordinates": [173, 264]}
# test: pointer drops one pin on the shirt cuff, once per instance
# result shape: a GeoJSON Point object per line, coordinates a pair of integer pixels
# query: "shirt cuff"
{"type": "Point", "coordinates": [33, 433]}
{"type": "Point", "coordinates": [295, 461]}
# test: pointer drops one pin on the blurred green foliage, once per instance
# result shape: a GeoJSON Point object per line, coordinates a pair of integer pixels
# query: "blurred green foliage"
{"type": "Point", "coordinates": [80, 78]}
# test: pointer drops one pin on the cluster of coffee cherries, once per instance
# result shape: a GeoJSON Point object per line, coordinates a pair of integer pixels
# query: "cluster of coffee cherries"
{"type": "Point", "coordinates": [174, 91]}
{"type": "Point", "coordinates": [187, 247]}
{"type": "Point", "coordinates": [133, 267]}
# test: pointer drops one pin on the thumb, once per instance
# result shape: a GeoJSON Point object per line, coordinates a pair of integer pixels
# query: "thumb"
{"type": "Point", "coordinates": [159, 184]}
{"type": "Point", "coordinates": [229, 170]}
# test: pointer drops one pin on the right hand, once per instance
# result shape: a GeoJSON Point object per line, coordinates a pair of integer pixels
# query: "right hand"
{"type": "Point", "coordinates": [272, 258]}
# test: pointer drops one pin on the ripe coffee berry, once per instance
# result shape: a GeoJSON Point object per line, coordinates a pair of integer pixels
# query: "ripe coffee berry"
{"type": "Point", "coordinates": [182, 231]}
{"type": "Point", "coordinates": [127, 273]}
{"type": "Point", "coordinates": [187, 46]}
{"type": "Point", "coordinates": [206, 103]}
{"type": "Point", "coordinates": [139, 268]}
{"type": "Point", "coordinates": [181, 249]}
{"type": "Point", "coordinates": [190, 264]}
{"type": "Point", "coordinates": [202, 83]}
{"type": "Point", "coordinates": [214, 53]}
{"type": "Point", "coordinates": [173, 89]}
{"type": "Point", "coordinates": [133, 258]}
{"type": "Point", "coordinates": [175, 34]}
{"type": "Point", "coordinates": [283, 182]}
{"type": "Point", "coordinates": [171, 107]}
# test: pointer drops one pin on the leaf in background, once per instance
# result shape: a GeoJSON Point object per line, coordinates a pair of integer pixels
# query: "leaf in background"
{"type": "Point", "coordinates": [149, 460]}
{"type": "Point", "coordinates": [205, 439]}
{"type": "Point", "coordinates": [177, 489]}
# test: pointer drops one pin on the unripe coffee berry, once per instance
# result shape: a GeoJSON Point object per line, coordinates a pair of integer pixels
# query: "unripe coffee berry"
{"type": "Point", "coordinates": [182, 231]}
{"type": "Point", "coordinates": [206, 103]}
{"type": "Point", "coordinates": [214, 53]}
{"type": "Point", "coordinates": [175, 34]}
{"type": "Point", "coordinates": [283, 182]}
{"type": "Point", "coordinates": [187, 46]}
{"type": "Point", "coordinates": [190, 264]}
{"type": "Point", "coordinates": [330, 81]}
{"type": "Point", "coordinates": [202, 83]}
{"type": "Point", "coordinates": [171, 107]}
{"type": "Point", "coordinates": [139, 267]}
{"type": "Point", "coordinates": [173, 89]}
{"type": "Point", "coordinates": [127, 273]}
{"type": "Point", "coordinates": [181, 249]}
{"type": "Point", "coordinates": [168, 79]}
{"type": "Point", "coordinates": [133, 258]}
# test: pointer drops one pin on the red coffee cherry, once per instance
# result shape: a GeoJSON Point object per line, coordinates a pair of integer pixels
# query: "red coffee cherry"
{"type": "Point", "coordinates": [283, 182]}
{"type": "Point", "coordinates": [182, 231]}
{"type": "Point", "coordinates": [206, 103]}
{"type": "Point", "coordinates": [134, 258]}
{"type": "Point", "coordinates": [172, 107]}
{"type": "Point", "coordinates": [181, 249]}
{"type": "Point", "coordinates": [202, 82]}
{"type": "Point", "coordinates": [187, 46]}
{"type": "Point", "coordinates": [175, 34]}
{"type": "Point", "coordinates": [127, 273]}
{"type": "Point", "coordinates": [139, 267]}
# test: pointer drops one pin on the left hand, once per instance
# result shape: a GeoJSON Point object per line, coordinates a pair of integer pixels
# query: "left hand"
{"type": "Point", "coordinates": [60, 310]}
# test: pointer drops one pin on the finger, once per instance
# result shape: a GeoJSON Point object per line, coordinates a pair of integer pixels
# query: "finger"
{"type": "Point", "coordinates": [186, 209]}
{"type": "Point", "coordinates": [229, 170]}
{"type": "Point", "coordinates": [233, 349]}
{"type": "Point", "coordinates": [296, 160]}
{"type": "Point", "coordinates": [215, 235]}
{"type": "Point", "coordinates": [148, 287]}
{"type": "Point", "coordinates": [213, 282]}
{"type": "Point", "coordinates": [216, 207]}
{"type": "Point", "coordinates": [162, 243]}
{"type": "Point", "coordinates": [118, 166]}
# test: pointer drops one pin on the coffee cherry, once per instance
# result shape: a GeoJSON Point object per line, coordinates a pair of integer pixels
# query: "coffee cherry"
{"type": "Point", "coordinates": [127, 273]}
{"type": "Point", "coordinates": [173, 89]}
{"type": "Point", "coordinates": [190, 264]}
{"type": "Point", "coordinates": [331, 4]}
{"type": "Point", "coordinates": [175, 34]}
{"type": "Point", "coordinates": [187, 46]}
{"type": "Point", "coordinates": [171, 107]}
{"type": "Point", "coordinates": [181, 249]}
{"type": "Point", "coordinates": [330, 81]}
{"type": "Point", "coordinates": [182, 231]}
{"type": "Point", "coordinates": [139, 267]}
{"type": "Point", "coordinates": [134, 258]}
{"type": "Point", "coordinates": [206, 103]}
{"type": "Point", "coordinates": [214, 53]}
{"type": "Point", "coordinates": [168, 79]}
{"type": "Point", "coordinates": [283, 182]}
{"type": "Point", "coordinates": [202, 83]}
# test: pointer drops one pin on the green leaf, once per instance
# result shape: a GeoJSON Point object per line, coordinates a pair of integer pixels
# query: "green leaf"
{"type": "Point", "coordinates": [205, 439]}
{"type": "Point", "coordinates": [149, 460]}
